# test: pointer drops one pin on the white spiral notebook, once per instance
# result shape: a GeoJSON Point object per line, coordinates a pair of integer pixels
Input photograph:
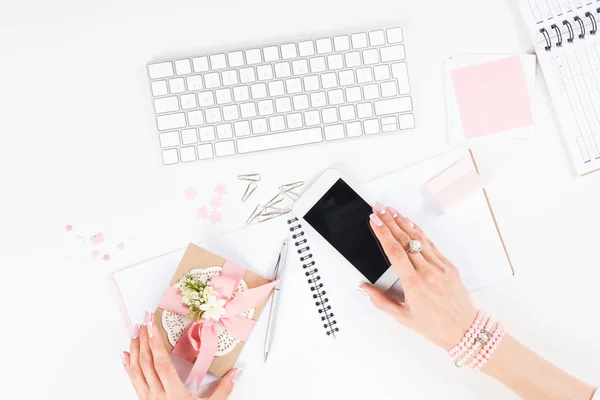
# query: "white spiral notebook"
{"type": "Point", "coordinates": [564, 33]}
{"type": "Point", "coordinates": [319, 300]}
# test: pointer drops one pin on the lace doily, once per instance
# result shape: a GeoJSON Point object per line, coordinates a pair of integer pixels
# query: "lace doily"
{"type": "Point", "coordinates": [175, 325]}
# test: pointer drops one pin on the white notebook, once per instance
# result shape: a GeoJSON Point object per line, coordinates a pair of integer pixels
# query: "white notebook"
{"type": "Point", "coordinates": [467, 234]}
{"type": "Point", "coordinates": [564, 33]}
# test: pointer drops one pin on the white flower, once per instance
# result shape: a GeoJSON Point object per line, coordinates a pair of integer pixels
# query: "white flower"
{"type": "Point", "coordinates": [213, 308]}
{"type": "Point", "coordinates": [208, 292]}
{"type": "Point", "coordinates": [189, 296]}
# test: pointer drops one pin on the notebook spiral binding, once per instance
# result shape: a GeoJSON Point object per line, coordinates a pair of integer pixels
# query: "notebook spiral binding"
{"type": "Point", "coordinates": [314, 279]}
{"type": "Point", "coordinates": [580, 26]}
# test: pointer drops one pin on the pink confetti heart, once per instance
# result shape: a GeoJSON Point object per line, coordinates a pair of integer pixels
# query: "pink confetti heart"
{"type": "Point", "coordinates": [215, 217]}
{"type": "Point", "coordinates": [106, 257]}
{"type": "Point", "coordinates": [202, 212]}
{"type": "Point", "coordinates": [69, 228]}
{"type": "Point", "coordinates": [221, 189]}
{"type": "Point", "coordinates": [94, 253]}
{"type": "Point", "coordinates": [216, 202]}
{"type": "Point", "coordinates": [190, 193]}
{"type": "Point", "coordinates": [97, 239]}
{"type": "Point", "coordinates": [121, 246]}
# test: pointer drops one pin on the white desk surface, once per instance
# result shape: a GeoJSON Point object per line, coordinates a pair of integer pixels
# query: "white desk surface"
{"type": "Point", "coordinates": [78, 142]}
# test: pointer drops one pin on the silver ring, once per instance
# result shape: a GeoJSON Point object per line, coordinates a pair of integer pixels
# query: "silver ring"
{"type": "Point", "coordinates": [414, 246]}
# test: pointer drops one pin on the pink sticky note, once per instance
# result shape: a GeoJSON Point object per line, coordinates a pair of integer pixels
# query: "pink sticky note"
{"type": "Point", "coordinates": [97, 238]}
{"type": "Point", "coordinates": [216, 202]}
{"type": "Point", "coordinates": [492, 97]}
{"type": "Point", "coordinates": [215, 217]}
{"type": "Point", "coordinates": [455, 183]}
{"type": "Point", "coordinates": [202, 212]}
{"type": "Point", "coordinates": [221, 189]}
{"type": "Point", "coordinates": [190, 193]}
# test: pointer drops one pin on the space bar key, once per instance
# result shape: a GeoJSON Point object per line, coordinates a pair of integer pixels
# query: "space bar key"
{"type": "Point", "coordinates": [279, 140]}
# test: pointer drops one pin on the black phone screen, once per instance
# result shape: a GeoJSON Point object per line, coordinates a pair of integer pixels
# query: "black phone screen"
{"type": "Point", "coordinates": [341, 216]}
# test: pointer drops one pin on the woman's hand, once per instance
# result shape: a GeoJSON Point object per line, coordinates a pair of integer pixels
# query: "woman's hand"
{"type": "Point", "coordinates": [153, 374]}
{"type": "Point", "coordinates": [436, 305]}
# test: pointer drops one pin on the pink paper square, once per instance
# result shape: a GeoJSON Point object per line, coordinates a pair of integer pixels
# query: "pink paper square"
{"type": "Point", "coordinates": [492, 97]}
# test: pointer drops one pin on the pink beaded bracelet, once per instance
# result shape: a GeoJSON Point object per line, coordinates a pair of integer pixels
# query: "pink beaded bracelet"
{"type": "Point", "coordinates": [457, 351]}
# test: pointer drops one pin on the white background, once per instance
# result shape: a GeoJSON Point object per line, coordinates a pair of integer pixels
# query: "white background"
{"type": "Point", "coordinates": [78, 138]}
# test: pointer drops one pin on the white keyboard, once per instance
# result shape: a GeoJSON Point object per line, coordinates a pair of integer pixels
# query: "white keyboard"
{"type": "Point", "coordinates": [277, 96]}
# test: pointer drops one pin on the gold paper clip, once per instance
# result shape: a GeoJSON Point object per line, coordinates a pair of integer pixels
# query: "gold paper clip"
{"type": "Point", "coordinates": [249, 190]}
{"type": "Point", "coordinates": [249, 177]}
{"type": "Point", "coordinates": [290, 186]}
{"type": "Point", "coordinates": [257, 211]}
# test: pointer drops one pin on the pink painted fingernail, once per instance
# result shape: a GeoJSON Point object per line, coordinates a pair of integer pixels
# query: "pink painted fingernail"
{"type": "Point", "coordinates": [376, 220]}
{"type": "Point", "coordinates": [124, 358]}
{"type": "Point", "coordinates": [379, 207]}
{"type": "Point", "coordinates": [147, 317]}
{"type": "Point", "coordinates": [150, 329]}
{"type": "Point", "coordinates": [364, 292]}
{"type": "Point", "coordinates": [136, 331]}
{"type": "Point", "coordinates": [393, 212]}
{"type": "Point", "coordinates": [237, 375]}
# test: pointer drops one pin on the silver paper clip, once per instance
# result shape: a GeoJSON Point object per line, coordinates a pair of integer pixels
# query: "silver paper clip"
{"type": "Point", "coordinates": [265, 217]}
{"type": "Point", "coordinates": [249, 190]}
{"type": "Point", "coordinates": [249, 177]}
{"type": "Point", "coordinates": [290, 194]}
{"type": "Point", "coordinates": [278, 198]}
{"type": "Point", "coordinates": [291, 186]}
{"type": "Point", "coordinates": [257, 211]}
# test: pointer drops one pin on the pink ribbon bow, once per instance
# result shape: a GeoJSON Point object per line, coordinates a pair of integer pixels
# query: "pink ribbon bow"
{"type": "Point", "coordinates": [200, 341]}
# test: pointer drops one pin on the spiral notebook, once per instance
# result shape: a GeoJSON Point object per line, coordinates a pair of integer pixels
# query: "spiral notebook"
{"type": "Point", "coordinates": [564, 33]}
{"type": "Point", "coordinates": [319, 301]}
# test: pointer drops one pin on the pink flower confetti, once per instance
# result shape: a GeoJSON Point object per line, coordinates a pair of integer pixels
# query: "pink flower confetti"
{"type": "Point", "coordinates": [190, 193]}
{"type": "Point", "coordinates": [215, 217]}
{"type": "Point", "coordinates": [202, 212]}
{"type": "Point", "coordinates": [106, 257]}
{"type": "Point", "coordinates": [69, 228]}
{"type": "Point", "coordinates": [97, 238]}
{"type": "Point", "coordinates": [216, 202]}
{"type": "Point", "coordinates": [94, 253]}
{"type": "Point", "coordinates": [221, 189]}
{"type": "Point", "coordinates": [121, 246]}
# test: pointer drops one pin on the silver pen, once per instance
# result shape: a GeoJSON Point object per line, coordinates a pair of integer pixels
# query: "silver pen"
{"type": "Point", "coordinates": [277, 272]}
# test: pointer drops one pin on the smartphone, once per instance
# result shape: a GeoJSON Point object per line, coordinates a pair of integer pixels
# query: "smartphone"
{"type": "Point", "coordinates": [333, 208]}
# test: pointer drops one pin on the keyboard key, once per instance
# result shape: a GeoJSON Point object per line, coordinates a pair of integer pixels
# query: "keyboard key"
{"type": "Point", "coordinates": [371, 91]}
{"type": "Point", "coordinates": [248, 110]}
{"type": "Point", "coordinates": [271, 53]}
{"type": "Point", "coordinates": [389, 124]}
{"type": "Point", "coordinates": [346, 78]}
{"type": "Point", "coordinates": [276, 88]}
{"type": "Point", "coordinates": [392, 53]}
{"type": "Point", "coordinates": [306, 48]}
{"type": "Point", "coordinates": [160, 70]}
{"type": "Point", "coordinates": [371, 126]}
{"type": "Point", "coordinates": [300, 67]}
{"type": "Point", "coordinates": [189, 136]}
{"type": "Point", "coordinates": [213, 115]}
{"type": "Point", "coordinates": [177, 85]}
{"type": "Point", "coordinates": [294, 120]}
{"type": "Point", "coordinates": [206, 99]}
{"type": "Point", "coordinates": [341, 43]}
{"type": "Point", "coordinates": [169, 139]}
{"type": "Point", "coordinates": [288, 51]}
{"type": "Point", "coordinates": [241, 128]}
{"type": "Point", "coordinates": [230, 112]}
{"type": "Point", "coordinates": [170, 157]}
{"type": "Point", "coordinates": [353, 94]}
{"type": "Point", "coordinates": [370, 56]}
{"type": "Point", "coordinates": [400, 72]}
{"type": "Point", "coordinates": [406, 121]}
{"type": "Point", "coordinates": [317, 64]}
{"type": "Point", "coordinates": [377, 38]}
{"type": "Point", "coordinates": [247, 75]}
{"type": "Point", "coordinates": [253, 56]}
{"type": "Point", "coordinates": [241, 93]}
{"type": "Point", "coordinates": [187, 154]}
{"type": "Point", "coordinates": [188, 101]}
{"type": "Point", "coordinates": [364, 75]}
{"type": "Point", "coordinates": [329, 115]}
{"type": "Point", "coordinates": [259, 91]}
{"type": "Point", "coordinates": [200, 64]}
{"type": "Point", "coordinates": [335, 97]}
{"type": "Point", "coordinates": [277, 123]}
{"type": "Point", "coordinates": [282, 70]}
{"type": "Point", "coordinates": [334, 132]}
{"type": "Point", "coordinates": [194, 82]}
{"type": "Point", "coordinates": [382, 72]}
{"type": "Point", "coordinates": [223, 96]}
{"type": "Point", "coordinates": [223, 149]}
{"type": "Point", "coordinates": [236, 59]}
{"type": "Point", "coordinates": [354, 129]}
{"type": "Point", "coordinates": [212, 80]}
{"type": "Point", "coordinates": [311, 83]}
{"type": "Point", "coordinates": [335, 61]}
{"type": "Point", "coordinates": [279, 140]}
{"type": "Point", "coordinates": [229, 77]}
{"type": "Point", "coordinates": [365, 110]}
{"type": "Point", "coordinates": [359, 40]}
{"type": "Point", "coordinates": [166, 104]}
{"type": "Point", "coordinates": [217, 61]}
{"type": "Point", "coordinates": [329, 80]}
{"type": "Point", "coordinates": [205, 151]}
{"type": "Point", "coordinates": [207, 133]}
{"type": "Point", "coordinates": [300, 102]}
{"type": "Point", "coordinates": [195, 118]}
{"type": "Point", "coordinates": [283, 104]}
{"type": "Point", "coordinates": [394, 35]}
{"type": "Point", "coordinates": [259, 126]}
{"type": "Point", "coordinates": [347, 113]}
{"type": "Point", "coordinates": [159, 88]}
{"type": "Point", "coordinates": [183, 67]}
{"type": "Point", "coordinates": [224, 131]}
{"type": "Point", "coordinates": [324, 46]}
{"type": "Point", "coordinates": [170, 121]}
{"type": "Point", "coordinates": [389, 89]}
{"type": "Point", "coordinates": [265, 107]}
{"type": "Point", "coordinates": [265, 72]}
{"type": "Point", "coordinates": [352, 59]}
{"type": "Point", "coordinates": [293, 85]}
{"type": "Point", "coordinates": [318, 99]}
{"type": "Point", "coordinates": [393, 106]}
{"type": "Point", "coordinates": [312, 118]}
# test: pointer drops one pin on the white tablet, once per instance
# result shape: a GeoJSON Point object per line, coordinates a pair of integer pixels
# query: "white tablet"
{"type": "Point", "coordinates": [341, 216]}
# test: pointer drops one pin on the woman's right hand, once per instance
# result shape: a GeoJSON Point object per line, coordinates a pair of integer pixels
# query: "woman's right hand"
{"type": "Point", "coordinates": [437, 304]}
